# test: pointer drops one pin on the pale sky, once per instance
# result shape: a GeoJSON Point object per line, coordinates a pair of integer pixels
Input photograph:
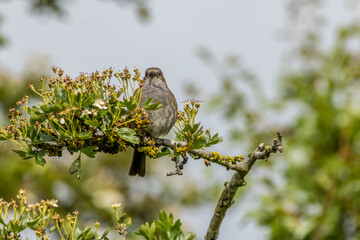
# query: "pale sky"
{"type": "Point", "coordinates": [99, 34]}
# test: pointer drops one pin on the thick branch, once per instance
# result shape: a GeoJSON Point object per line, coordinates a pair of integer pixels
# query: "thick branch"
{"type": "Point", "coordinates": [237, 180]}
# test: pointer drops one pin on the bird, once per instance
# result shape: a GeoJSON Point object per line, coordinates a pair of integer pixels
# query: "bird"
{"type": "Point", "coordinates": [161, 120]}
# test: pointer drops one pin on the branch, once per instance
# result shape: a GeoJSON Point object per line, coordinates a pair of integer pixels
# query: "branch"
{"type": "Point", "coordinates": [236, 181]}
{"type": "Point", "coordinates": [228, 162]}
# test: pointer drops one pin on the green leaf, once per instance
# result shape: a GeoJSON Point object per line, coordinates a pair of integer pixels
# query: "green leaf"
{"type": "Point", "coordinates": [115, 110]}
{"type": "Point", "coordinates": [77, 99]}
{"type": "Point", "coordinates": [124, 130]}
{"type": "Point", "coordinates": [89, 100]}
{"type": "Point", "coordinates": [39, 157]}
{"type": "Point", "coordinates": [52, 229]}
{"type": "Point", "coordinates": [93, 123]}
{"type": "Point", "coordinates": [164, 152]}
{"type": "Point", "coordinates": [147, 231]}
{"type": "Point", "coordinates": [31, 154]}
{"type": "Point", "coordinates": [48, 108]}
{"type": "Point", "coordinates": [75, 167]}
{"type": "Point", "coordinates": [84, 232]}
{"type": "Point", "coordinates": [32, 223]}
{"type": "Point", "coordinates": [64, 134]}
{"type": "Point", "coordinates": [35, 115]}
{"type": "Point", "coordinates": [106, 123]}
{"type": "Point", "coordinates": [20, 153]}
{"type": "Point", "coordinates": [2, 221]}
{"type": "Point", "coordinates": [165, 219]}
{"type": "Point", "coordinates": [194, 128]}
{"type": "Point", "coordinates": [123, 112]}
{"type": "Point", "coordinates": [89, 151]}
{"type": "Point", "coordinates": [84, 135]}
{"type": "Point", "coordinates": [214, 140]}
{"type": "Point", "coordinates": [61, 93]}
{"type": "Point", "coordinates": [45, 108]}
{"type": "Point", "coordinates": [128, 135]}
{"type": "Point", "coordinates": [149, 105]}
{"type": "Point", "coordinates": [199, 130]}
{"type": "Point", "coordinates": [125, 219]}
{"type": "Point", "coordinates": [165, 229]}
{"type": "Point", "coordinates": [76, 233]}
{"type": "Point", "coordinates": [44, 138]}
{"type": "Point", "coordinates": [90, 236]}
{"type": "Point", "coordinates": [57, 107]}
{"type": "Point", "coordinates": [102, 113]}
{"type": "Point", "coordinates": [198, 144]}
{"type": "Point", "coordinates": [15, 227]}
{"type": "Point", "coordinates": [190, 236]}
{"type": "Point", "coordinates": [33, 132]}
{"type": "Point", "coordinates": [130, 105]}
{"type": "Point", "coordinates": [24, 218]}
{"type": "Point", "coordinates": [130, 138]}
{"type": "Point", "coordinates": [106, 232]}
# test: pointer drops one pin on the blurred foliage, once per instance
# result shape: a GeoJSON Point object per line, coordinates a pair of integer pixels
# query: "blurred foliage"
{"type": "Point", "coordinates": [58, 7]}
{"type": "Point", "coordinates": [240, 99]}
{"type": "Point", "coordinates": [13, 88]}
{"type": "Point", "coordinates": [45, 223]}
{"type": "Point", "coordinates": [320, 198]}
{"type": "Point", "coordinates": [2, 37]}
{"type": "Point", "coordinates": [19, 215]}
{"type": "Point", "coordinates": [165, 229]}
{"type": "Point", "coordinates": [54, 6]}
{"type": "Point", "coordinates": [317, 195]}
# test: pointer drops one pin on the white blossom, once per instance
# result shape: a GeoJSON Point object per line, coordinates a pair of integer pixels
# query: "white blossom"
{"type": "Point", "coordinates": [116, 205]}
{"type": "Point", "coordinates": [100, 104]}
{"type": "Point", "coordinates": [86, 112]}
{"type": "Point", "coordinates": [94, 112]}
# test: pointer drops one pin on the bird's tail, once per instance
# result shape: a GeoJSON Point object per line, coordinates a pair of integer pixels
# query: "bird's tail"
{"type": "Point", "coordinates": [138, 164]}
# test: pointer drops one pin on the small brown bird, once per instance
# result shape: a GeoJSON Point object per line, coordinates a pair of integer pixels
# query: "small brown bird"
{"type": "Point", "coordinates": [161, 120]}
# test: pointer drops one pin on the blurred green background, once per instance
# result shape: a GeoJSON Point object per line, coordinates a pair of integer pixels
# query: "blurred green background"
{"type": "Point", "coordinates": [311, 191]}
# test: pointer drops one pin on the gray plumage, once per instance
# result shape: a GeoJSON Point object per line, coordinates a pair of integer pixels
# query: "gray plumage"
{"type": "Point", "coordinates": [161, 120]}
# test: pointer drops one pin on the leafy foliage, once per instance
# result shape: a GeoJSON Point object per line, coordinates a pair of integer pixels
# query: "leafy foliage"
{"type": "Point", "coordinates": [82, 114]}
{"type": "Point", "coordinates": [57, 7]}
{"type": "Point", "coordinates": [320, 198]}
{"type": "Point", "coordinates": [42, 219]}
{"type": "Point", "coordinates": [317, 196]}
{"type": "Point", "coordinates": [192, 132]}
{"type": "Point", "coordinates": [39, 217]}
{"type": "Point", "coordinates": [164, 229]}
